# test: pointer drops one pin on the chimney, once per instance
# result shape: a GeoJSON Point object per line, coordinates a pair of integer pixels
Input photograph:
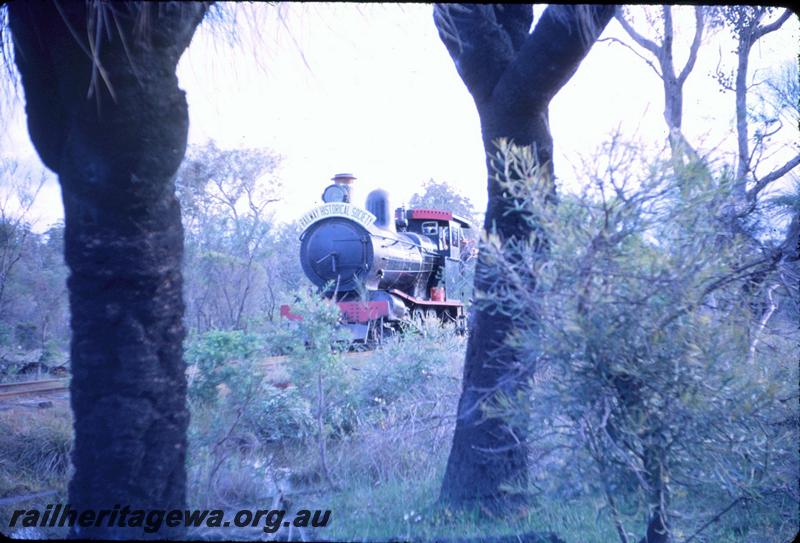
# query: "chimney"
{"type": "Point", "coordinates": [378, 205]}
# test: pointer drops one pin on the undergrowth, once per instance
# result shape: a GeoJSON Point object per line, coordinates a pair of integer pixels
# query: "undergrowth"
{"type": "Point", "coordinates": [388, 429]}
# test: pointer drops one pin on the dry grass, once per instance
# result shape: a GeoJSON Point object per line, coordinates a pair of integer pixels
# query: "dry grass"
{"type": "Point", "coordinates": [387, 465]}
{"type": "Point", "coordinates": [35, 445]}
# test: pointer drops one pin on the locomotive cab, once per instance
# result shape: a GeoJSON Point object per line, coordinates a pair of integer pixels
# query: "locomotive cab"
{"type": "Point", "coordinates": [442, 227]}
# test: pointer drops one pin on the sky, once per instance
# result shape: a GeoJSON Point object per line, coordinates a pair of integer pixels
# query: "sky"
{"type": "Point", "coordinates": [370, 89]}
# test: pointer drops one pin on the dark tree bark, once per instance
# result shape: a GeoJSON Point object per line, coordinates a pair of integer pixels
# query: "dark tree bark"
{"type": "Point", "coordinates": [512, 74]}
{"type": "Point", "coordinates": [106, 114]}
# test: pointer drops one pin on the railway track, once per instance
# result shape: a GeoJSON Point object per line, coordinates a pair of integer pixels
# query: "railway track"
{"type": "Point", "coordinates": [10, 391]}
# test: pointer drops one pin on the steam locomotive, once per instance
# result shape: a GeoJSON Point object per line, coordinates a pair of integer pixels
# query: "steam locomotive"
{"type": "Point", "coordinates": [382, 269]}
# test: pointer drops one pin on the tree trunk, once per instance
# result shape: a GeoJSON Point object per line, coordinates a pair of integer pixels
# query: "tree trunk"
{"type": "Point", "coordinates": [512, 75]}
{"type": "Point", "coordinates": [658, 496]}
{"type": "Point", "coordinates": [486, 453]}
{"type": "Point", "coordinates": [116, 152]}
{"type": "Point", "coordinates": [743, 162]}
{"type": "Point", "coordinates": [671, 79]}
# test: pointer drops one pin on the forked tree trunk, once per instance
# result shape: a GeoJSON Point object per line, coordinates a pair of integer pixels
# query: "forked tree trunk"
{"type": "Point", "coordinates": [512, 74]}
{"type": "Point", "coordinates": [115, 133]}
{"type": "Point", "coordinates": [671, 80]}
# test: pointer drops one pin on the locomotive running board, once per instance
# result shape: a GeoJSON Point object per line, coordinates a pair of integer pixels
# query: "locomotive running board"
{"type": "Point", "coordinates": [417, 301]}
{"type": "Point", "coordinates": [353, 312]}
{"type": "Point", "coordinates": [361, 312]}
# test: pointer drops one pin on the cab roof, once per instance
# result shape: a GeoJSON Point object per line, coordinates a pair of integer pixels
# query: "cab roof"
{"type": "Point", "coordinates": [439, 215]}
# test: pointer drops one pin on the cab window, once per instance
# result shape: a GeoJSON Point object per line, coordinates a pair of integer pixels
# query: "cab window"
{"type": "Point", "coordinates": [430, 228]}
{"type": "Point", "coordinates": [444, 239]}
{"type": "Point", "coordinates": [455, 235]}
{"type": "Point", "coordinates": [455, 241]}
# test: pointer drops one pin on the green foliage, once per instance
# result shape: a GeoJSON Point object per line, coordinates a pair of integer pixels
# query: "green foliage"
{"type": "Point", "coordinates": [314, 337]}
{"type": "Point", "coordinates": [35, 447]}
{"type": "Point", "coordinates": [315, 365]}
{"type": "Point", "coordinates": [221, 363]}
{"type": "Point", "coordinates": [403, 400]}
{"type": "Point", "coordinates": [331, 399]}
{"type": "Point", "coordinates": [649, 385]}
{"type": "Point", "coordinates": [33, 300]}
{"type": "Point", "coordinates": [442, 195]}
{"type": "Point", "coordinates": [406, 508]}
{"type": "Point", "coordinates": [406, 364]}
{"type": "Point", "coordinates": [279, 415]}
{"type": "Point", "coordinates": [237, 262]}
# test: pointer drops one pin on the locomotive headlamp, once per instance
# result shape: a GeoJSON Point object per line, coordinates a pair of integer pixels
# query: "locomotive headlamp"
{"type": "Point", "coordinates": [336, 193]}
{"type": "Point", "coordinates": [340, 190]}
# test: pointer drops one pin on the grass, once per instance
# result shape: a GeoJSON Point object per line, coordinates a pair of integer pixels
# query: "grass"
{"type": "Point", "coordinates": [407, 509]}
{"type": "Point", "coordinates": [389, 463]}
{"type": "Point", "coordinates": [34, 457]}
{"type": "Point", "coordinates": [387, 453]}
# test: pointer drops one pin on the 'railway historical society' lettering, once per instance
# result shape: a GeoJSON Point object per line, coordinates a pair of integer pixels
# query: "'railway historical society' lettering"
{"type": "Point", "coordinates": [337, 209]}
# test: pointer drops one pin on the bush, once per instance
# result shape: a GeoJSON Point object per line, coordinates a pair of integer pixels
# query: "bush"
{"type": "Point", "coordinates": [278, 414]}
{"type": "Point", "coordinates": [403, 400]}
{"type": "Point", "coordinates": [6, 334]}
{"type": "Point", "coordinates": [221, 362]}
{"type": "Point", "coordinates": [407, 363]}
{"type": "Point", "coordinates": [35, 448]}
{"type": "Point", "coordinates": [642, 329]}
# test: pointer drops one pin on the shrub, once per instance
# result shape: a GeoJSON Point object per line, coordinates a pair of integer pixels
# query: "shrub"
{"type": "Point", "coordinates": [221, 362]}
{"type": "Point", "coordinates": [35, 448]}
{"type": "Point", "coordinates": [642, 328]}
{"type": "Point", "coordinates": [279, 414]}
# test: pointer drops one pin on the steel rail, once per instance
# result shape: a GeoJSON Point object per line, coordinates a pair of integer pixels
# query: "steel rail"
{"type": "Point", "coordinates": [27, 388]}
{"type": "Point", "coordinates": [41, 386]}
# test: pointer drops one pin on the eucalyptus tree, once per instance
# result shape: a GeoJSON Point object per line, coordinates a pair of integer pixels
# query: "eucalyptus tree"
{"type": "Point", "coordinates": [226, 196]}
{"type": "Point", "coordinates": [16, 200]}
{"type": "Point", "coordinates": [672, 79]}
{"type": "Point", "coordinates": [512, 73]}
{"type": "Point", "coordinates": [105, 113]}
{"type": "Point", "coordinates": [442, 195]}
{"type": "Point", "coordinates": [750, 24]}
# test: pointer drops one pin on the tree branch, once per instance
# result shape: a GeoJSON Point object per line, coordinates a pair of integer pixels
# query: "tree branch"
{"type": "Point", "coordinates": [666, 45]}
{"type": "Point", "coordinates": [763, 324]}
{"type": "Point", "coordinates": [722, 281]}
{"type": "Point", "coordinates": [551, 53]}
{"type": "Point", "coordinates": [637, 53]}
{"type": "Point", "coordinates": [480, 47]}
{"type": "Point", "coordinates": [638, 38]}
{"type": "Point", "coordinates": [743, 165]}
{"type": "Point", "coordinates": [698, 36]}
{"type": "Point", "coordinates": [761, 31]}
{"type": "Point", "coordinates": [772, 176]}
